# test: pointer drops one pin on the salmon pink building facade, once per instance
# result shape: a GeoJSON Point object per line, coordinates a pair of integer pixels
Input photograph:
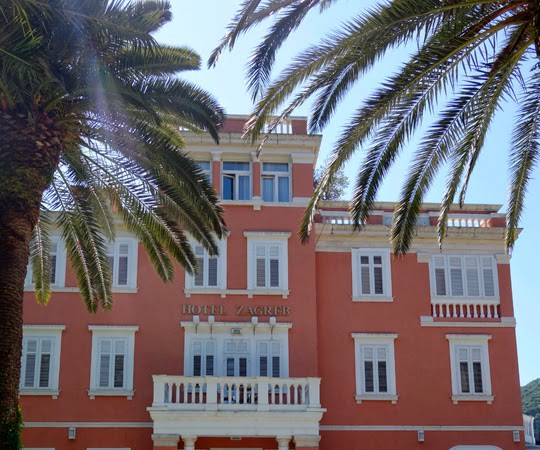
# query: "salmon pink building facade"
{"type": "Point", "coordinates": [335, 344]}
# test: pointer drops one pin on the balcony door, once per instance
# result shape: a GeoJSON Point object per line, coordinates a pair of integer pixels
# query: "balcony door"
{"type": "Point", "coordinates": [237, 358]}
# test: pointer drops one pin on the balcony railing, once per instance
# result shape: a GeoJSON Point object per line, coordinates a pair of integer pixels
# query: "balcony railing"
{"type": "Point", "coordinates": [182, 393]}
{"type": "Point", "coordinates": [465, 309]}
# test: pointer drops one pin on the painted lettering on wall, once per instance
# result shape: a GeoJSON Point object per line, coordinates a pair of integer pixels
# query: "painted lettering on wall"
{"type": "Point", "coordinates": [239, 310]}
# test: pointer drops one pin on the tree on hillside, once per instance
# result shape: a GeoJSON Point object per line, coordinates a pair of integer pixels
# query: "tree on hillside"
{"type": "Point", "coordinates": [530, 397]}
{"type": "Point", "coordinates": [334, 190]}
{"type": "Point", "coordinates": [471, 56]}
{"type": "Point", "coordinates": [90, 108]}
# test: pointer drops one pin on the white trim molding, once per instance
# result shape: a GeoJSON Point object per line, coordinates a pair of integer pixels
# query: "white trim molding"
{"type": "Point", "coordinates": [471, 428]}
{"type": "Point", "coordinates": [505, 322]}
{"type": "Point", "coordinates": [41, 336]}
{"type": "Point", "coordinates": [374, 348]}
{"type": "Point", "coordinates": [361, 293]}
{"type": "Point", "coordinates": [121, 342]}
{"type": "Point", "coordinates": [469, 352]}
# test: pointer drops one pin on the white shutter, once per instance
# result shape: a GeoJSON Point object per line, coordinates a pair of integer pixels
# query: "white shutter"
{"type": "Point", "coordinates": [456, 276]}
{"type": "Point", "coordinates": [30, 362]}
{"type": "Point", "coordinates": [45, 363]}
{"type": "Point", "coordinates": [199, 275]}
{"type": "Point", "coordinates": [53, 255]}
{"type": "Point", "coordinates": [105, 350]}
{"type": "Point", "coordinates": [209, 358]}
{"type": "Point", "coordinates": [212, 272]}
{"type": "Point", "coordinates": [276, 359]}
{"type": "Point", "coordinates": [472, 276]}
{"type": "Point", "coordinates": [263, 359]}
{"type": "Point", "coordinates": [439, 275]}
{"type": "Point", "coordinates": [123, 264]}
{"type": "Point", "coordinates": [119, 363]}
{"type": "Point", "coordinates": [364, 275]}
{"type": "Point", "coordinates": [488, 276]}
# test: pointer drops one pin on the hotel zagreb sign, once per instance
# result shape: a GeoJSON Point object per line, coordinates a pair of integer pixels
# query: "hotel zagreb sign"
{"type": "Point", "coordinates": [238, 310]}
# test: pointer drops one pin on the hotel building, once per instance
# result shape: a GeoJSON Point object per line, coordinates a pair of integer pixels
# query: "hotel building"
{"type": "Point", "coordinates": [335, 344]}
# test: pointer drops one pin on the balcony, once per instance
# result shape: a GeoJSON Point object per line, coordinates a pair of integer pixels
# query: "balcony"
{"type": "Point", "coordinates": [236, 406]}
{"type": "Point", "coordinates": [465, 309]}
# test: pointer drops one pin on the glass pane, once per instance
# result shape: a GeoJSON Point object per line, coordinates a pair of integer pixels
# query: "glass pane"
{"type": "Point", "coordinates": [364, 259]}
{"type": "Point", "coordinates": [243, 188]}
{"type": "Point", "coordinates": [204, 165]}
{"type": "Point", "coordinates": [268, 189]}
{"type": "Point", "coordinates": [464, 377]}
{"type": "Point", "coordinates": [440, 282]}
{"type": "Point", "coordinates": [364, 280]}
{"type": "Point", "coordinates": [382, 377]}
{"type": "Point", "coordinates": [53, 269]}
{"type": "Point", "coordinates": [275, 167]}
{"type": "Point", "coordinates": [119, 371]}
{"type": "Point", "coordinates": [377, 260]}
{"type": "Point", "coordinates": [283, 189]}
{"type": "Point", "coordinates": [199, 275]}
{"type": "Point", "coordinates": [44, 371]}
{"type": "Point", "coordinates": [378, 278]}
{"type": "Point", "coordinates": [261, 274]}
{"type": "Point", "coordinates": [242, 369]}
{"type": "Point", "coordinates": [228, 187]}
{"type": "Point", "coordinates": [212, 272]}
{"type": "Point", "coordinates": [489, 283]}
{"type": "Point", "coordinates": [237, 166]}
{"type": "Point", "coordinates": [104, 365]}
{"type": "Point", "coordinates": [263, 366]}
{"type": "Point", "coordinates": [274, 273]}
{"type": "Point", "coordinates": [30, 370]}
{"type": "Point", "coordinates": [456, 282]}
{"type": "Point", "coordinates": [477, 374]}
{"type": "Point", "coordinates": [368, 376]}
{"type": "Point", "coordinates": [123, 271]}
{"type": "Point", "coordinates": [210, 365]}
{"type": "Point", "coordinates": [197, 365]}
{"type": "Point", "coordinates": [275, 366]}
{"type": "Point", "coordinates": [230, 367]}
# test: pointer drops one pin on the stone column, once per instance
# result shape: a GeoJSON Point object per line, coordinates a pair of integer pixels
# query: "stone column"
{"type": "Point", "coordinates": [307, 442]}
{"type": "Point", "coordinates": [189, 442]}
{"type": "Point", "coordinates": [165, 441]}
{"type": "Point", "coordinates": [283, 442]}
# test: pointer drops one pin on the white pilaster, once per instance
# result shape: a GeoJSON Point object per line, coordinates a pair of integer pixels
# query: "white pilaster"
{"type": "Point", "coordinates": [283, 442]}
{"type": "Point", "coordinates": [189, 442]}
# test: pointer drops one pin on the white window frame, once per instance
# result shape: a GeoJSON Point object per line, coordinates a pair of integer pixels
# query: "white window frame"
{"type": "Point", "coordinates": [53, 332]}
{"type": "Point", "coordinates": [457, 341]}
{"type": "Point", "coordinates": [237, 174]}
{"type": "Point", "coordinates": [113, 249]}
{"type": "Point", "coordinates": [446, 256]}
{"type": "Point", "coordinates": [268, 239]}
{"type": "Point", "coordinates": [275, 175]}
{"type": "Point", "coordinates": [100, 332]}
{"type": "Point", "coordinates": [60, 269]}
{"type": "Point", "coordinates": [384, 253]}
{"type": "Point", "coordinates": [222, 332]}
{"type": "Point", "coordinates": [191, 288]}
{"type": "Point", "coordinates": [375, 339]}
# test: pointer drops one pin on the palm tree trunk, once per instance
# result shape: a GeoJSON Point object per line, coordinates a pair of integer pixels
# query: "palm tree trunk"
{"type": "Point", "coordinates": [27, 162]}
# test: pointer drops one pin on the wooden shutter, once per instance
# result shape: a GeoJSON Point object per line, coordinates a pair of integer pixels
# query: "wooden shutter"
{"type": "Point", "coordinates": [196, 352]}
{"type": "Point", "coordinates": [123, 264]}
{"type": "Point", "coordinates": [209, 347]}
{"type": "Point", "coordinates": [365, 285]}
{"type": "Point", "coordinates": [53, 254]}
{"type": "Point", "coordinates": [119, 363]}
{"type": "Point", "coordinates": [369, 376]}
{"type": "Point", "coordinates": [263, 359]}
{"type": "Point", "coordinates": [476, 359]}
{"type": "Point", "coordinates": [45, 362]}
{"type": "Point", "coordinates": [463, 364]}
{"type": "Point", "coordinates": [378, 284]}
{"type": "Point", "coordinates": [382, 363]}
{"type": "Point", "coordinates": [30, 362]}
{"type": "Point", "coordinates": [104, 369]}
{"type": "Point", "coordinates": [212, 272]}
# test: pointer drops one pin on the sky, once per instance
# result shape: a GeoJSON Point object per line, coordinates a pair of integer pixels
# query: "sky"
{"type": "Point", "coordinates": [201, 24]}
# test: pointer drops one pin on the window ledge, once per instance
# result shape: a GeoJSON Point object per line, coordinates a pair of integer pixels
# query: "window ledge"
{"type": "Point", "coordinates": [224, 292]}
{"type": "Point", "coordinates": [53, 393]}
{"type": "Point", "coordinates": [473, 398]}
{"type": "Point", "coordinates": [377, 397]}
{"type": "Point", "coordinates": [114, 290]}
{"type": "Point", "coordinates": [372, 299]}
{"type": "Point", "coordinates": [93, 393]}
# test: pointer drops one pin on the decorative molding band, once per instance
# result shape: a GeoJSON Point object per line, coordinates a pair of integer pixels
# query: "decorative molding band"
{"type": "Point", "coordinates": [41, 328]}
{"type": "Point", "coordinates": [268, 234]}
{"type": "Point", "coordinates": [374, 336]}
{"type": "Point", "coordinates": [372, 299]}
{"type": "Point", "coordinates": [224, 292]}
{"type": "Point", "coordinates": [114, 328]}
{"type": "Point", "coordinates": [420, 427]}
{"type": "Point", "coordinates": [89, 424]}
{"type": "Point", "coordinates": [166, 440]}
{"type": "Point", "coordinates": [506, 322]}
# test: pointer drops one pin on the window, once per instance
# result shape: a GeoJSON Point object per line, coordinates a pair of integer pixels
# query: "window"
{"type": "Point", "coordinates": [40, 363]}
{"type": "Point", "coordinates": [469, 361]}
{"type": "Point", "coordinates": [267, 261]}
{"type": "Point", "coordinates": [122, 255]}
{"type": "Point", "coordinates": [236, 184]}
{"type": "Point", "coordinates": [371, 275]}
{"type": "Point", "coordinates": [212, 271]}
{"type": "Point", "coordinates": [57, 254]}
{"type": "Point", "coordinates": [464, 276]}
{"type": "Point", "coordinates": [275, 182]}
{"type": "Point", "coordinates": [213, 349]}
{"type": "Point", "coordinates": [375, 367]}
{"type": "Point", "coordinates": [206, 168]}
{"type": "Point", "coordinates": [203, 352]}
{"type": "Point", "coordinates": [269, 359]}
{"type": "Point", "coordinates": [112, 360]}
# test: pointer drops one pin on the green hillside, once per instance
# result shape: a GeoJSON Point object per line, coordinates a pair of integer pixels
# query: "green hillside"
{"type": "Point", "coordinates": [530, 397]}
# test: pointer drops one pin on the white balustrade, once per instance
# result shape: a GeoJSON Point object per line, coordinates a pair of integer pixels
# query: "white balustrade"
{"type": "Point", "coordinates": [468, 221]}
{"type": "Point", "coordinates": [336, 217]}
{"type": "Point", "coordinates": [465, 309]}
{"type": "Point", "coordinates": [236, 393]}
